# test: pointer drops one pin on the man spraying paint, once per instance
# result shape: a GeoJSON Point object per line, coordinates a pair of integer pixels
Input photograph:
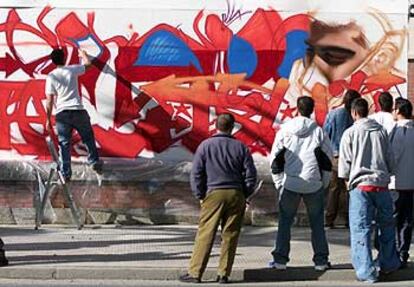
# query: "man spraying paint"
{"type": "Point", "coordinates": [62, 84]}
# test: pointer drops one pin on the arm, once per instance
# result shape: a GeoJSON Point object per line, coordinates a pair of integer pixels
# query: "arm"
{"type": "Point", "coordinates": [277, 160]}
{"type": "Point", "coordinates": [50, 95]}
{"type": "Point", "coordinates": [325, 161]}
{"type": "Point", "coordinates": [250, 173]}
{"type": "Point", "coordinates": [198, 176]}
{"type": "Point", "coordinates": [390, 157]}
{"type": "Point", "coordinates": [49, 107]}
{"type": "Point", "coordinates": [327, 125]}
{"type": "Point", "coordinates": [85, 59]}
{"type": "Point", "coordinates": [345, 156]}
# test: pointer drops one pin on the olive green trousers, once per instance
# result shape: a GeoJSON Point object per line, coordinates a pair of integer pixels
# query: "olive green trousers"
{"type": "Point", "coordinates": [224, 207]}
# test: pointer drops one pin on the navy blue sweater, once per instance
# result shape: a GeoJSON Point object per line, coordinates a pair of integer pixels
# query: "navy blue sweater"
{"type": "Point", "coordinates": [222, 162]}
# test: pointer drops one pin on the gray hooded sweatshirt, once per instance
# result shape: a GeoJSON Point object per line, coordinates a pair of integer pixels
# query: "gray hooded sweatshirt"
{"type": "Point", "coordinates": [365, 155]}
{"type": "Point", "coordinates": [300, 137]}
{"type": "Point", "coordinates": [402, 142]}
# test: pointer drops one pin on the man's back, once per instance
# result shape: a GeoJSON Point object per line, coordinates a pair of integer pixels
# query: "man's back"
{"type": "Point", "coordinates": [63, 82]}
{"type": "Point", "coordinates": [402, 142]}
{"type": "Point", "coordinates": [385, 119]}
{"type": "Point", "coordinates": [223, 162]}
{"type": "Point", "coordinates": [366, 155]}
{"type": "Point", "coordinates": [300, 137]}
{"type": "Point", "coordinates": [337, 121]}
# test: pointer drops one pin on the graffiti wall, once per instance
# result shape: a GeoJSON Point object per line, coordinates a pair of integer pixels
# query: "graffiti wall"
{"type": "Point", "coordinates": [162, 71]}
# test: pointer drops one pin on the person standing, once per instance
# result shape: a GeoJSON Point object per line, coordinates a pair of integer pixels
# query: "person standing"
{"type": "Point", "coordinates": [301, 163]}
{"type": "Point", "coordinates": [366, 163]}
{"type": "Point", "coordinates": [62, 84]}
{"type": "Point", "coordinates": [336, 122]}
{"type": "Point", "coordinates": [402, 143]}
{"type": "Point", "coordinates": [222, 177]}
{"type": "Point", "coordinates": [385, 117]}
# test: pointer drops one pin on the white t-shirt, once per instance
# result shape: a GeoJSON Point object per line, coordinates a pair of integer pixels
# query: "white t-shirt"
{"type": "Point", "coordinates": [63, 83]}
{"type": "Point", "coordinates": [385, 119]}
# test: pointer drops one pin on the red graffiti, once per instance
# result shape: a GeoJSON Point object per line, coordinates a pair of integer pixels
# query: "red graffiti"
{"type": "Point", "coordinates": [181, 98]}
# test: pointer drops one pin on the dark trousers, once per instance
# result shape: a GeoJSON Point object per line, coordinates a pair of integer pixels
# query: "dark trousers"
{"type": "Point", "coordinates": [223, 207]}
{"type": "Point", "coordinates": [404, 222]}
{"type": "Point", "coordinates": [66, 122]}
{"type": "Point", "coordinates": [337, 202]}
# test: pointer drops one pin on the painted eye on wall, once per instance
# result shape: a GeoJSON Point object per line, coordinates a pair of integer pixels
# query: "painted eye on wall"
{"type": "Point", "coordinates": [332, 55]}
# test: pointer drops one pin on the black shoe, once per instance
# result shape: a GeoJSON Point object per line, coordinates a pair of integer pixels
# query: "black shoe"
{"type": "Point", "coordinates": [187, 278]}
{"type": "Point", "coordinates": [404, 264]}
{"type": "Point", "coordinates": [3, 259]}
{"type": "Point", "coordinates": [222, 279]}
{"type": "Point", "coordinates": [98, 167]}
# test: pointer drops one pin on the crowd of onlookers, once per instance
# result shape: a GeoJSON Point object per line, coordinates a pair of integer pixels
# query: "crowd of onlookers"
{"type": "Point", "coordinates": [365, 162]}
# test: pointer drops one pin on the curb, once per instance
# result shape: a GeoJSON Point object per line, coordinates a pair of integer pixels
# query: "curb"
{"type": "Point", "coordinates": [246, 275]}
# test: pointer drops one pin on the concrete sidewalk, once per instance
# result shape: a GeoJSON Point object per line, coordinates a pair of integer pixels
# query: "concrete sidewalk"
{"type": "Point", "coordinates": [162, 253]}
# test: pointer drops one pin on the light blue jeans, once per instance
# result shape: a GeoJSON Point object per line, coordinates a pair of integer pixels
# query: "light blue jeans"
{"type": "Point", "coordinates": [363, 207]}
{"type": "Point", "coordinates": [288, 205]}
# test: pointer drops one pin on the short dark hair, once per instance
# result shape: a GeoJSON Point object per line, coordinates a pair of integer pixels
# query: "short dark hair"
{"type": "Point", "coordinates": [225, 122]}
{"type": "Point", "coordinates": [386, 102]}
{"type": "Point", "coordinates": [305, 106]}
{"type": "Point", "coordinates": [360, 106]}
{"type": "Point", "coordinates": [404, 108]}
{"type": "Point", "coordinates": [349, 97]}
{"type": "Point", "coordinates": [58, 57]}
{"type": "Point", "coordinates": [398, 102]}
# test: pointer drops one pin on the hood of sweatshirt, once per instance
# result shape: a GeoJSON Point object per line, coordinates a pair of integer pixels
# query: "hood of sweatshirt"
{"type": "Point", "coordinates": [300, 126]}
{"type": "Point", "coordinates": [406, 123]}
{"type": "Point", "coordinates": [367, 124]}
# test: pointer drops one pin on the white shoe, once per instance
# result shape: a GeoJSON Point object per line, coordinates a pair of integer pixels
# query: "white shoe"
{"type": "Point", "coordinates": [277, 266]}
{"type": "Point", "coordinates": [323, 267]}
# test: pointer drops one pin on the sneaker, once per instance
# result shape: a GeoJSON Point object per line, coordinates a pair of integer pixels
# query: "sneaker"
{"type": "Point", "coordinates": [404, 264]}
{"type": "Point", "coordinates": [277, 266]}
{"type": "Point", "coordinates": [187, 278]}
{"type": "Point", "coordinates": [323, 267]}
{"type": "Point", "coordinates": [368, 281]}
{"type": "Point", "coordinates": [222, 279]}
{"type": "Point", "coordinates": [98, 166]}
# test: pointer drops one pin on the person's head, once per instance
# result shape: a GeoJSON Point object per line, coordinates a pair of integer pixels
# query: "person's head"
{"type": "Point", "coordinates": [404, 109]}
{"type": "Point", "coordinates": [58, 57]}
{"type": "Point", "coordinates": [225, 123]}
{"type": "Point", "coordinates": [349, 97]}
{"type": "Point", "coordinates": [386, 102]}
{"type": "Point", "coordinates": [305, 106]}
{"type": "Point", "coordinates": [359, 109]}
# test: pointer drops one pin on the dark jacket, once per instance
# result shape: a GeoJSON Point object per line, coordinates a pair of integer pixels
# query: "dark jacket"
{"type": "Point", "coordinates": [336, 122]}
{"type": "Point", "coordinates": [222, 162]}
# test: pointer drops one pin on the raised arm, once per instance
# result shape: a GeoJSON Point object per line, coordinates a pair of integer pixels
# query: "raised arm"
{"type": "Point", "coordinates": [85, 59]}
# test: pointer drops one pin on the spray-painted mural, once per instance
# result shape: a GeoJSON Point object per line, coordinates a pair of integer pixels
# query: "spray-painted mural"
{"type": "Point", "coordinates": [160, 77]}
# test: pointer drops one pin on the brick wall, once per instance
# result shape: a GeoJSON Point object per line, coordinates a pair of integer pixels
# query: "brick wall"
{"type": "Point", "coordinates": [410, 80]}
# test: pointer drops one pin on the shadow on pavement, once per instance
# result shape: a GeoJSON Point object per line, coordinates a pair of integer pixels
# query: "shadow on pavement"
{"type": "Point", "coordinates": [406, 274]}
{"type": "Point", "coordinates": [130, 257]}
{"type": "Point", "coordinates": [272, 275]}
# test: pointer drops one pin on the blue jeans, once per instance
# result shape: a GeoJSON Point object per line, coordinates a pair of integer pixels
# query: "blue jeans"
{"type": "Point", "coordinates": [288, 205]}
{"type": "Point", "coordinates": [363, 207]}
{"type": "Point", "coordinates": [79, 120]}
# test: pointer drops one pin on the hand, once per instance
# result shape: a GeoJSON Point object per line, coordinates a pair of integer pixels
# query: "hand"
{"type": "Point", "coordinates": [83, 54]}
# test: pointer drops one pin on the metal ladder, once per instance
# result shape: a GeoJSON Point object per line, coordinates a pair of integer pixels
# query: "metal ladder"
{"type": "Point", "coordinates": [48, 186]}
